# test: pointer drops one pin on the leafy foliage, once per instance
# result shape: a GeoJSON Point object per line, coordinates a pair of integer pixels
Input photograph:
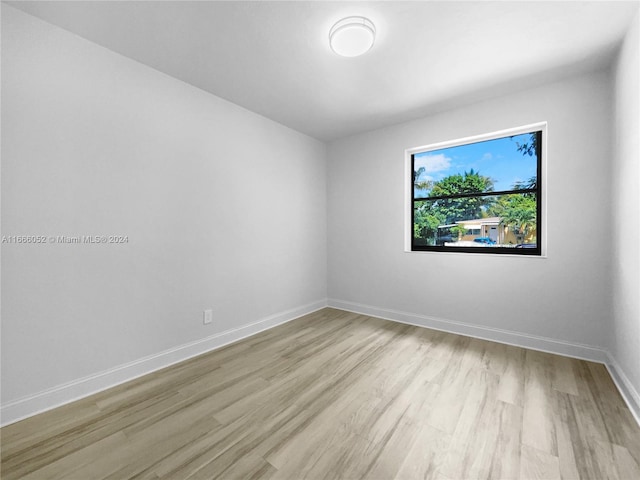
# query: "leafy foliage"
{"type": "Point", "coordinates": [421, 185]}
{"type": "Point", "coordinates": [417, 173]}
{"type": "Point", "coordinates": [518, 211]}
{"type": "Point", "coordinates": [465, 208]}
{"type": "Point", "coordinates": [425, 221]}
{"type": "Point", "coordinates": [458, 231]}
{"type": "Point", "coordinates": [469, 182]}
{"type": "Point", "coordinates": [430, 214]}
{"type": "Point", "coordinates": [529, 184]}
{"type": "Point", "coordinates": [530, 147]}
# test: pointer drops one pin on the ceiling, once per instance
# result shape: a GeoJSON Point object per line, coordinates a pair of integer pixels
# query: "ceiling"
{"type": "Point", "coordinates": [274, 58]}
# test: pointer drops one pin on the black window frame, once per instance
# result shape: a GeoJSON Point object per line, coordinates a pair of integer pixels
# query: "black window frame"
{"type": "Point", "coordinates": [540, 132]}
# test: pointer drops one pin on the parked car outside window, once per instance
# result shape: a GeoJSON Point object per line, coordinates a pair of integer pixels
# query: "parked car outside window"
{"type": "Point", "coordinates": [485, 240]}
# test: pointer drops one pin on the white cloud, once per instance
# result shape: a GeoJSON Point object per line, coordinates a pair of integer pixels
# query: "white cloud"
{"type": "Point", "coordinates": [433, 163]}
{"type": "Point", "coordinates": [487, 156]}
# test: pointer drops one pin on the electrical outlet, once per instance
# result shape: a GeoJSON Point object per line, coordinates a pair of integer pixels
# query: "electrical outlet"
{"type": "Point", "coordinates": [208, 317]}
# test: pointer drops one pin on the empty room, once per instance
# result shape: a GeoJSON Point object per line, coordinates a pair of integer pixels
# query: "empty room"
{"type": "Point", "coordinates": [337, 240]}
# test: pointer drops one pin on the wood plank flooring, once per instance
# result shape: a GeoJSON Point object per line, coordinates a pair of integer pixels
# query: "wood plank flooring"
{"type": "Point", "coordinates": [339, 395]}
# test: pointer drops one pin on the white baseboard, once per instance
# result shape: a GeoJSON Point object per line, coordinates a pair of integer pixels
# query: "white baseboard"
{"type": "Point", "coordinates": [25, 407]}
{"type": "Point", "coordinates": [550, 345]}
{"type": "Point", "coordinates": [625, 387]}
{"type": "Point", "coordinates": [584, 352]}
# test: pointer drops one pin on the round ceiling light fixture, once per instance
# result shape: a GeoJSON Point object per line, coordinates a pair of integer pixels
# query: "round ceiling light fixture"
{"type": "Point", "coordinates": [352, 36]}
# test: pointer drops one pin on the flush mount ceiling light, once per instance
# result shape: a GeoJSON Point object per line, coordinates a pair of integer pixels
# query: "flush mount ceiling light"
{"type": "Point", "coordinates": [352, 36]}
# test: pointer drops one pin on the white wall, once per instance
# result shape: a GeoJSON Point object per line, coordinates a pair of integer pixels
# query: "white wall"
{"type": "Point", "coordinates": [565, 297]}
{"type": "Point", "coordinates": [223, 208]}
{"type": "Point", "coordinates": [625, 345]}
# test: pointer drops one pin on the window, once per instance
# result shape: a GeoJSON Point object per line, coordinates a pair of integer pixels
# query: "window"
{"type": "Point", "coordinates": [479, 195]}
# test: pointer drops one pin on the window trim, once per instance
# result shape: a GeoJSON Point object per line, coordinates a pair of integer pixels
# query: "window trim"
{"type": "Point", "coordinates": [541, 252]}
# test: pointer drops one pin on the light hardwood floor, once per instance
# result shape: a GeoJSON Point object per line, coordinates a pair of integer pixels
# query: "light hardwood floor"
{"type": "Point", "coordinates": [340, 395]}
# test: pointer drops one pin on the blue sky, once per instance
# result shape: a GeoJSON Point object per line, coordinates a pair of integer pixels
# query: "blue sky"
{"type": "Point", "coordinates": [498, 159]}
